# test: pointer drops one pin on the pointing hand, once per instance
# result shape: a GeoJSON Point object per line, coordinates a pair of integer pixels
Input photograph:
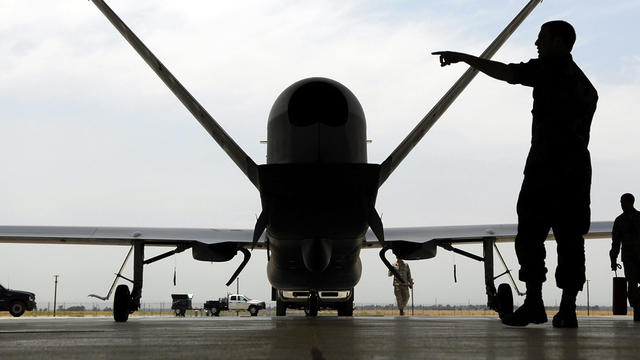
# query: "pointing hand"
{"type": "Point", "coordinates": [448, 57]}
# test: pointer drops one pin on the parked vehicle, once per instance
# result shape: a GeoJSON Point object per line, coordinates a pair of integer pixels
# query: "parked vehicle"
{"type": "Point", "coordinates": [234, 302]}
{"type": "Point", "coordinates": [311, 302]}
{"type": "Point", "coordinates": [16, 302]}
{"type": "Point", "coordinates": [181, 303]}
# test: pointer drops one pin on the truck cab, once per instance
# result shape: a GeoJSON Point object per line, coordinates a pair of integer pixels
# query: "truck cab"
{"type": "Point", "coordinates": [234, 302]}
{"type": "Point", "coordinates": [238, 302]}
{"type": "Point", "coordinates": [16, 302]}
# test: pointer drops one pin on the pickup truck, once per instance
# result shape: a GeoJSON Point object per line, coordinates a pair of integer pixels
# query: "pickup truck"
{"type": "Point", "coordinates": [234, 302]}
{"type": "Point", "coordinates": [17, 302]}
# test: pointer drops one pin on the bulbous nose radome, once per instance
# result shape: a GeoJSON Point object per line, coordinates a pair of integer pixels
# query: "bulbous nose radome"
{"type": "Point", "coordinates": [318, 102]}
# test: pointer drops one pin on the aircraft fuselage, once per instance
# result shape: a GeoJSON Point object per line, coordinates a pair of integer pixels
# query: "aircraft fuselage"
{"type": "Point", "coordinates": [317, 188]}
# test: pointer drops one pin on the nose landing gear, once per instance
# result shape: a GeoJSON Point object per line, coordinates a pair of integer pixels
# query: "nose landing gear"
{"type": "Point", "coordinates": [313, 304]}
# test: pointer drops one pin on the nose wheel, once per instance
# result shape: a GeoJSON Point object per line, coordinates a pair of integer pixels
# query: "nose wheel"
{"type": "Point", "coordinates": [313, 304]}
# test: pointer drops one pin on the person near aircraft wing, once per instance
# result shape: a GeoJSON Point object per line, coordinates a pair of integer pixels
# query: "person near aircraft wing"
{"type": "Point", "coordinates": [555, 193]}
{"type": "Point", "coordinates": [626, 234]}
{"type": "Point", "coordinates": [402, 284]}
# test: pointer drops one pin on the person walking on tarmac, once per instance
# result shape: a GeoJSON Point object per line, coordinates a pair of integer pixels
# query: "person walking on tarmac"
{"type": "Point", "coordinates": [626, 233]}
{"type": "Point", "coordinates": [401, 286]}
{"type": "Point", "coordinates": [555, 192]}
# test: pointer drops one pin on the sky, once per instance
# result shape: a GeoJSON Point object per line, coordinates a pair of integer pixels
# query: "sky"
{"type": "Point", "coordinates": [89, 136]}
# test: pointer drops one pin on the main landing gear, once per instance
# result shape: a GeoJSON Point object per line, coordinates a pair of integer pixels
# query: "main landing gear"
{"type": "Point", "coordinates": [500, 300]}
{"type": "Point", "coordinates": [126, 302]}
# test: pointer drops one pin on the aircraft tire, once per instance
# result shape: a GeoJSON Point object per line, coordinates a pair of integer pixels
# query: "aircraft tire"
{"type": "Point", "coordinates": [346, 308]}
{"type": "Point", "coordinates": [121, 303]}
{"type": "Point", "coordinates": [17, 308]}
{"type": "Point", "coordinates": [281, 308]}
{"type": "Point", "coordinates": [505, 300]}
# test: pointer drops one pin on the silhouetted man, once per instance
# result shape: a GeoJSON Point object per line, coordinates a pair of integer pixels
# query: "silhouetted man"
{"type": "Point", "coordinates": [557, 175]}
{"type": "Point", "coordinates": [626, 232]}
{"type": "Point", "coordinates": [401, 286]}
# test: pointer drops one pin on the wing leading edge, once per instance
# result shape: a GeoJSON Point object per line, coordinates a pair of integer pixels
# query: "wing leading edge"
{"type": "Point", "coordinates": [91, 235]}
{"type": "Point", "coordinates": [469, 234]}
{"type": "Point", "coordinates": [87, 235]}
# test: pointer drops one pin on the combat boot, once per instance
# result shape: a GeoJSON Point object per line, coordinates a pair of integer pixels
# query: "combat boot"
{"type": "Point", "coordinates": [566, 317]}
{"type": "Point", "coordinates": [531, 312]}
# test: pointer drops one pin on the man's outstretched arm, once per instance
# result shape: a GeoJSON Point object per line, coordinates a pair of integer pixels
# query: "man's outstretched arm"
{"type": "Point", "coordinates": [494, 69]}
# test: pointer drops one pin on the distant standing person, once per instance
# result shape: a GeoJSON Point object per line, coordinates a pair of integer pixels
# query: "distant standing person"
{"type": "Point", "coordinates": [626, 233]}
{"type": "Point", "coordinates": [557, 175]}
{"type": "Point", "coordinates": [401, 286]}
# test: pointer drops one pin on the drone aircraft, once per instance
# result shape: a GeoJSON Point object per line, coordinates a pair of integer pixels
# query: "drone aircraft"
{"type": "Point", "coordinates": [318, 196]}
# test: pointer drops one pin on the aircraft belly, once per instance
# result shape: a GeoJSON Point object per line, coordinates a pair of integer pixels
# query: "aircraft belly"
{"type": "Point", "coordinates": [318, 200]}
{"type": "Point", "coordinates": [287, 270]}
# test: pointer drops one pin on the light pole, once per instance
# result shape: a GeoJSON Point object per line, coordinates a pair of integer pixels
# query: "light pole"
{"type": "Point", "coordinates": [588, 308]}
{"type": "Point", "coordinates": [55, 294]}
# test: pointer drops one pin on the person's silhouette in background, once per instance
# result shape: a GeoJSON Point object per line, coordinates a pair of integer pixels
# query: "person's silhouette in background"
{"type": "Point", "coordinates": [626, 233]}
{"type": "Point", "coordinates": [555, 192]}
{"type": "Point", "coordinates": [401, 285]}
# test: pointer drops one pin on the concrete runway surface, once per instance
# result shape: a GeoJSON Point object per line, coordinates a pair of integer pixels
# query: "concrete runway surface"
{"type": "Point", "coordinates": [325, 337]}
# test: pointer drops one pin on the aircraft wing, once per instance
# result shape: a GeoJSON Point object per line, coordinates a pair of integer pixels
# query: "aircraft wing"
{"type": "Point", "coordinates": [235, 152]}
{"type": "Point", "coordinates": [421, 242]}
{"type": "Point", "coordinates": [88, 235]}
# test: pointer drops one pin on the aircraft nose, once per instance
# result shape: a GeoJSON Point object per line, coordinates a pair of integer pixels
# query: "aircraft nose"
{"type": "Point", "coordinates": [318, 102]}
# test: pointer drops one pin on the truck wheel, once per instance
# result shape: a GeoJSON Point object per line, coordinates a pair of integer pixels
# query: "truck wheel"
{"type": "Point", "coordinates": [17, 308]}
{"type": "Point", "coordinates": [215, 311]}
{"type": "Point", "coordinates": [121, 303]}
{"type": "Point", "coordinates": [253, 310]}
{"type": "Point", "coordinates": [281, 308]}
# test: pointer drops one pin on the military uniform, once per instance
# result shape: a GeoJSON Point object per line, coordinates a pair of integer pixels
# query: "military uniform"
{"type": "Point", "coordinates": [626, 234]}
{"type": "Point", "coordinates": [557, 175]}
{"type": "Point", "coordinates": [401, 286]}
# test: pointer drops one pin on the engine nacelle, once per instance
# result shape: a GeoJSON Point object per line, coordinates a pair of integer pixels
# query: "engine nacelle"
{"type": "Point", "coordinates": [214, 252]}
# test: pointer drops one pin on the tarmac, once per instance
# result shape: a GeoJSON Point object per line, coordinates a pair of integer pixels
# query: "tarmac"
{"type": "Point", "coordinates": [324, 337]}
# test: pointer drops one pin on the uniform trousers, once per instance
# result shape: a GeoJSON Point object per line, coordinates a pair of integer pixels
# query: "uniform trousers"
{"type": "Point", "coordinates": [559, 203]}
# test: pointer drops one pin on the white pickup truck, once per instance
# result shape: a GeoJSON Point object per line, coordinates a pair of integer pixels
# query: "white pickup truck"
{"type": "Point", "coordinates": [234, 302]}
